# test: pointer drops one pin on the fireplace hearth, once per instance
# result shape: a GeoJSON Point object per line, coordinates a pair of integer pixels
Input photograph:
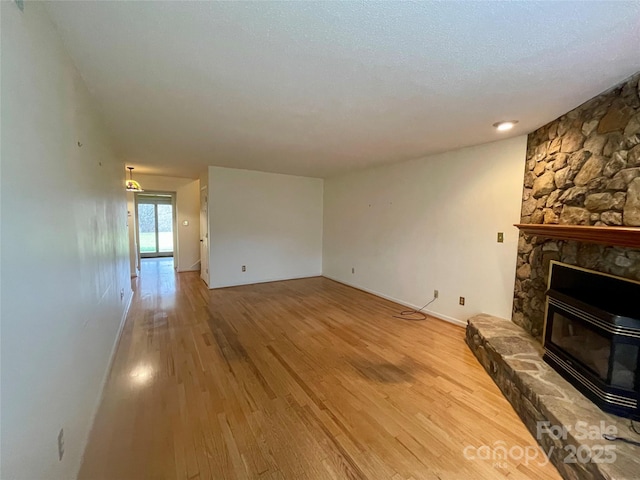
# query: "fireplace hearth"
{"type": "Point", "coordinates": [539, 393]}
{"type": "Point", "coordinates": [592, 336]}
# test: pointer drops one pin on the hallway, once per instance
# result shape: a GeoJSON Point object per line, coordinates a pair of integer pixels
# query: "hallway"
{"type": "Point", "coordinates": [292, 380]}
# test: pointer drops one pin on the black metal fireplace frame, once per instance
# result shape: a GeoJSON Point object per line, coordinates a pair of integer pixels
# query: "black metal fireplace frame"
{"type": "Point", "coordinates": [574, 299]}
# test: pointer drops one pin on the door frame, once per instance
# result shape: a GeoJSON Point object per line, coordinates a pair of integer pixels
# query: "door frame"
{"type": "Point", "coordinates": [174, 223]}
{"type": "Point", "coordinates": [205, 275]}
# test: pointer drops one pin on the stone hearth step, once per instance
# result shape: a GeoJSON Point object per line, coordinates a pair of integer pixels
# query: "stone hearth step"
{"type": "Point", "coordinates": [546, 403]}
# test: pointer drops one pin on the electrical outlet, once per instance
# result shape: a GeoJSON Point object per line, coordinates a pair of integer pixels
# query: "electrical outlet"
{"type": "Point", "coordinates": [61, 444]}
{"type": "Point", "coordinates": [500, 237]}
{"type": "Point", "coordinates": [244, 268]}
{"type": "Point", "coordinates": [461, 300]}
{"type": "Point", "coordinates": [353, 270]}
{"type": "Point", "coordinates": [435, 294]}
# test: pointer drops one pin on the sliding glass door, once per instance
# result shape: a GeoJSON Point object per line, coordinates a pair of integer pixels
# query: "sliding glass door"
{"type": "Point", "coordinates": [155, 225]}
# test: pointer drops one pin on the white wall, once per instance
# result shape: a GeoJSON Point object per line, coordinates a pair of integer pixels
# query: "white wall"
{"type": "Point", "coordinates": [426, 224]}
{"type": "Point", "coordinates": [187, 190]}
{"type": "Point", "coordinates": [271, 223]}
{"type": "Point", "coordinates": [133, 240]}
{"type": "Point", "coordinates": [64, 251]}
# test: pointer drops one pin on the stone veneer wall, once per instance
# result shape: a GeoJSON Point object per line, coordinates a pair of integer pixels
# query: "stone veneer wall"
{"type": "Point", "coordinates": [581, 169]}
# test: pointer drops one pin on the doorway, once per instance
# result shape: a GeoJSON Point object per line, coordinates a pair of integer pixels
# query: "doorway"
{"type": "Point", "coordinates": [155, 215]}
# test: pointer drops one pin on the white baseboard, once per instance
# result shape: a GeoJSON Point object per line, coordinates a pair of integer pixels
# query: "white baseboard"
{"type": "Point", "coordinates": [268, 280]}
{"type": "Point", "coordinates": [431, 313]}
{"type": "Point", "coordinates": [442, 316]}
{"type": "Point", "coordinates": [105, 377]}
{"type": "Point", "coordinates": [112, 355]}
{"type": "Point", "coordinates": [193, 268]}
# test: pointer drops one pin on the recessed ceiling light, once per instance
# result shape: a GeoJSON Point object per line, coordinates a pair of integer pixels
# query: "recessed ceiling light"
{"type": "Point", "coordinates": [504, 126]}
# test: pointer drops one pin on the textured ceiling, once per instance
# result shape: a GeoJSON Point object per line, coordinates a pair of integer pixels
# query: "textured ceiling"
{"type": "Point", "coordinates": [321, 88]}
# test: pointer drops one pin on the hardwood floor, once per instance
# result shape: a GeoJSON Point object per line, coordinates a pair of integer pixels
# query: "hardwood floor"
{"type": "Point", "coordinates": [302, 379]}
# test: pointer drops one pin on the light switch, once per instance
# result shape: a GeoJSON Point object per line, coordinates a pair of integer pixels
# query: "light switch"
{"type": "Point", "coordinates": [500, 237]}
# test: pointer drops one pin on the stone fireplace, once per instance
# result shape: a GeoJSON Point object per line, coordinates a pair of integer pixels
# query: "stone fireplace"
{"type": "Point", "coordinates": [581, 169]}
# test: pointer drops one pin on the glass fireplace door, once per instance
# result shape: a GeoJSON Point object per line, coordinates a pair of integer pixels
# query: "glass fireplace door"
{"type": "Point", "coordinates": [614, 363]}
{"type": "Point", "coordinates": [592, 336]}
{"type": "Point", "coordinates": [587, 346]}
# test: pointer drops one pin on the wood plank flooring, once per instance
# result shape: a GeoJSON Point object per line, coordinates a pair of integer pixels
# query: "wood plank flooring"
{"type": "Point", "coordinates": [302, 379]}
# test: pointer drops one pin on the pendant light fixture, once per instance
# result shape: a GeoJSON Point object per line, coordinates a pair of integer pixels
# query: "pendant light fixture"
{"type": "Point", "coordinates": [131, 185]}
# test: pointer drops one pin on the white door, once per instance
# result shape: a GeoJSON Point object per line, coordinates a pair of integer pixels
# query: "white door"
{"type": "Point", "coordinates": [204, 235]}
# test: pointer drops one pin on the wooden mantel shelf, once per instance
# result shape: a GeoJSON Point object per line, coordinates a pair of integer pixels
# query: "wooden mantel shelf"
{"type": "Point", "coordinates": [614, 236]}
